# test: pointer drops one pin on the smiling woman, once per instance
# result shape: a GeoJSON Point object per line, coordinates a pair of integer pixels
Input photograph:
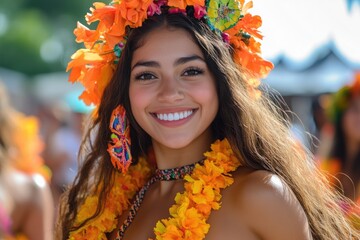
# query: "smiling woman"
{"type": "Point", "coordinates": [171, 84]}
{"type": "Point", "coordinates": [185, 147]}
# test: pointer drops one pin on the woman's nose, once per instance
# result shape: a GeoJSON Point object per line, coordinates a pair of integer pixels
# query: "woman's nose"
{"type": "Point", "coordinates": [170, 90]}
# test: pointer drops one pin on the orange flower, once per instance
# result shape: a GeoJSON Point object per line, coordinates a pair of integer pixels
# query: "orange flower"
{"type": "Point", "coordinates": [177, 3]}
{"type": "Point", "coordinates": [169, 232]}
{"type": "Point", "coordinates": [248, 24]}
{"type": "Point", "coordinates": [252, 62]}
{"type": "Point", "coordinates": [188, 219]}
{"type": "Point", "coordinates": [115, 204]}
{"type": "Point", "coordinates": [84, 34]}
{"type": "Point", "coordinates": [134, 11]}
{"type": "Point", "coordinates": [116, 33]}
{"type": "Point", "coordinates": [202, 194]}
{"type": "Point", "coordinates": [89, 65]}
{"type": "Point", "coordinates": [193, 225]}
{"type": "Point", "coordinates": [103, 13]}
{"type": "Point", "coordinates": [254, 46]}
{"type": "Point", "coordinates": [181, 4]}
{"type": "Point", "coordinates": [247, 50]}
{"type": "Point", "coordinates": [111, 26]}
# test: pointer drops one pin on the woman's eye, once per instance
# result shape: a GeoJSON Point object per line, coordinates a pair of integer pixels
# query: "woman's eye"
{"type": "Point", "coordinates": [144, 76]}
{"type": "Point", "coordinates": [193, 72]}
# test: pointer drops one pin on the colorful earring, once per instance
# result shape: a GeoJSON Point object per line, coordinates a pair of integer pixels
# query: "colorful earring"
{"type": "Point", "coordinates": [119, 147]}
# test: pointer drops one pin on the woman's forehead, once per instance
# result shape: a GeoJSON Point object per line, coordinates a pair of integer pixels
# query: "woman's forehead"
{"type": "Point", "coordinates": [164, 44]}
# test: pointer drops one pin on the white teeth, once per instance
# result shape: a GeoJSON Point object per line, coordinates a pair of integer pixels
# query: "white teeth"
{"type": "Point", "coordinates": [174, 116]}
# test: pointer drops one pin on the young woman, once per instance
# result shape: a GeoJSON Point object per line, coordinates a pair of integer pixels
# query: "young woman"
{"type": "Point", "coordinates": [345, 150]}
{"type": "Point", "coordinates": [210, 158]}
{"type": "Point", "coordinates": [26, 204]}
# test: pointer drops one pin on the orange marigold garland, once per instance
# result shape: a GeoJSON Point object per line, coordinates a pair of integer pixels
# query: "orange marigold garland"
{"type": "Point", "coordinates": [202, 194]}
{"type": "Point", "coordinates": [190, 211]}
{"type": "Point", "coordinates": [118, 200]}
{"type": "Point", "coordinates": [94, 65]}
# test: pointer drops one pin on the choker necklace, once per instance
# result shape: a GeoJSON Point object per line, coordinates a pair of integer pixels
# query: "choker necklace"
{"type": "Point", "coordinates": [170, 174]}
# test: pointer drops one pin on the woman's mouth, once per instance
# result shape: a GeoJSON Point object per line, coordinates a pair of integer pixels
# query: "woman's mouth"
{"type": "Point", "coordinates": [174, 116]}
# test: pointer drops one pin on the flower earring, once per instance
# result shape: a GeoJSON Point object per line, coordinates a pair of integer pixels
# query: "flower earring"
{"type": "Point", "coordinates": [119, 147]}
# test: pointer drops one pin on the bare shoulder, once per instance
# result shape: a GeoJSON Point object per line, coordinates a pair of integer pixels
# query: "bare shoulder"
{"type": "Point", "coordinates": [28, 188]}
{"type": "Point", "coordinates": [260, 186]}
{"type": "Point", "coordinates": [268, 206]}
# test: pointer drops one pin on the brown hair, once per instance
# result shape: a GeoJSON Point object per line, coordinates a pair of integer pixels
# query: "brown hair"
{"type": "Point", "coordinates": [255, 129]}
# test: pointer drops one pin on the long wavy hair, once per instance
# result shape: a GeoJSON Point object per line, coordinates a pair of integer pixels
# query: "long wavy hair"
{"type": "Point", "coordinates": [256, 130]}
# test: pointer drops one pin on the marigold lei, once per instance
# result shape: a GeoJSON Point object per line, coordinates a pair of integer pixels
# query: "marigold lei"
{"type": "Point", "coordinates": [94, 65]}
{"type": "Point", "coordinates": [188, 215]}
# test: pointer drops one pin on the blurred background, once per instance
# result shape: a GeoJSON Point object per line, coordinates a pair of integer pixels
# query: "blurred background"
{"type": "Point", "coordinates": [314, 45]}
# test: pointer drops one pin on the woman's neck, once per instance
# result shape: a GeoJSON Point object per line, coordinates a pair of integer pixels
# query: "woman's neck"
{"type": "Point", "coordinates": [167, 158]}
{"type": "Point", "coordinates": [171, 158]}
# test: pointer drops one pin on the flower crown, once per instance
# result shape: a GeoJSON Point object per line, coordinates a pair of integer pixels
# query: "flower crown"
{"type": "Point", "coordinates": [341, 99]}
{"type": "Point", "coordinates": [94, 65]}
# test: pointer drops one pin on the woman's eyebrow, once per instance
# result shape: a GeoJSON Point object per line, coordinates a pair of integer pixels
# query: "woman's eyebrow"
{"type": "Point", "coordinates": [183, 60]}
{"type": "Point", "coordinates": [179, 61]}
{"type": "Point", "coordinates": [146, 64]}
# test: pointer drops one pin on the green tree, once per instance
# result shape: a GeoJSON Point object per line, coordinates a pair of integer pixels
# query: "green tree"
{"type": "Point", "coordinates": [36, 36]}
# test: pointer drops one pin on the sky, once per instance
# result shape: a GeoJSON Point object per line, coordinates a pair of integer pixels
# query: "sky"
{"type": "Point", "coordinates": [297, 31]}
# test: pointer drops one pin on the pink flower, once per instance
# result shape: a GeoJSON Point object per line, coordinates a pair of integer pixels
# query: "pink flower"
{"type": "Point", "coordinates": [153, 8]}
{"type": "Point", "coordinates": [161, 2]}
{"type": "Point", "coordinates": [199, 11]}
{"type": "Point", "coordinates": [225, 37]}
{"type": "Point", "coordinates": [177, 10]}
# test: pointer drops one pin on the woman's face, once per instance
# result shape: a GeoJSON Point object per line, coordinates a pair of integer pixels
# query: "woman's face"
{"type": "Point", "coordinates": [172, 92]}
{"type": "Point", "coordinates": [351, 120]}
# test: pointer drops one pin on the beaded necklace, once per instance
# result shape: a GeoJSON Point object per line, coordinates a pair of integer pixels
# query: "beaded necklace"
{"type": "Point", "coordinates": [159, 175]}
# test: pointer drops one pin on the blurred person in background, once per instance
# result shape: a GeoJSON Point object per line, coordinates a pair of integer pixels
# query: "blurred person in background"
{"type": "Point", "coordinates": [344, 112]}
{"type": "Point", "coordinates": [343, 159]}
{"type": "Point", "coordinates": [26, 206]}
{"type": "Point", "coordinates": [64, 142]}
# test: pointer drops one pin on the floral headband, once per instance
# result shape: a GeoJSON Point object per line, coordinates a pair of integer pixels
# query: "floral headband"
{"type": "Point", "coordinates": [342, 97]}
{"type": "Point", "coordinates": [94, 65]}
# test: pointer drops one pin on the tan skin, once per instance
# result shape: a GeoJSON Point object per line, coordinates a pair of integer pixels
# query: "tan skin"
{"type": "Point", "coordinates": [257, 205]}
{"type": "Point", "coordinates": [28, 201]}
